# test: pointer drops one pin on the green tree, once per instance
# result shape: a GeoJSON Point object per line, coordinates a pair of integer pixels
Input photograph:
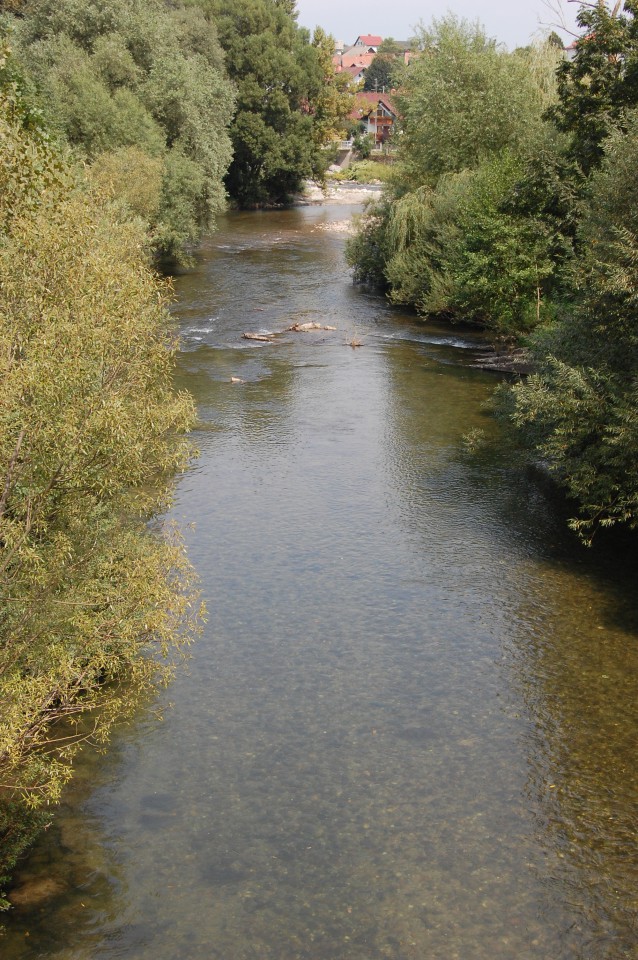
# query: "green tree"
{"type": "Point", "coordinates": [458, 251]}
{"type": "Point", "coordinates": [279, 79]}
{"type": "Point", "coordinates": [390, 47]}
{"type": "Point", "coordinates": [142, 75]}
{"type": "Point", "coordinates": [555, 41]}
{"type": "Point", "coordinates": [386, 69]}
{"type": "Point", "coordinates": [600, 84]}
{"type": "Point", "coordinates": [334, 99]}
{"type": "Point", "coordinates": [92, 598]}
{"type": "Point", "coordinates": [465, 98]}
{"type": "Point", "coordinates": [579, 411]}
{"type": "Point", "coordinates": [380, 74]}
{"type": "Point", "coordinates": [459, 234]}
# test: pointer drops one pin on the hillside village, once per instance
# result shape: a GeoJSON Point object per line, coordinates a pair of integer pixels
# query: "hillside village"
{"type": "Point", "coordinates": [356, 59]}
{"type": "Point", "coordinates": [374, 105]}
{"type": "Point", "coordinates": [374, 108]}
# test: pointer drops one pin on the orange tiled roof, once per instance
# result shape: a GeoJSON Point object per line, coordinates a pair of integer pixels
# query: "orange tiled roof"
{"type": "Point", "coordinates": [351, 59]}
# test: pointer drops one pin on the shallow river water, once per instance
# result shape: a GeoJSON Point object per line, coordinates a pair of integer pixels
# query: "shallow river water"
{"type": "Point", "coordinates": [408, 730]}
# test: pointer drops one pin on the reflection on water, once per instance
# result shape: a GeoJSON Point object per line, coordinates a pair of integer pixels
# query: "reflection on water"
{"type": "Point", "coordinates": [409, 729]}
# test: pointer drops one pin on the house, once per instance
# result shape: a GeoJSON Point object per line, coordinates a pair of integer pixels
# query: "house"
{"type": "Point", "coordinates": [359, 54]}
{"type": "Point", "coordinates": [579, 43]}
{"type": "Point", "coordinates": [378, 113]}
{"type": "Point", "coordinates": [571, 50]}
{"type": "Point", "coordinates": [357, 58]}
{"type": "Point", "coordinates": [350, 59]}
{"type": "Point", "coordinates": [357, 72]}
{"type": "Point", "coordinates": [363, 51]}
{"type": "Point", "coordinates": [370, 42]}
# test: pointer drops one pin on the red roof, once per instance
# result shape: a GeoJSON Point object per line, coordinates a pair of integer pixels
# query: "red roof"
{"type": "Point", "coordinates": [357, 59]}
{"type": "Point", "coordinates": [369, 40]}
{"type": "Point", "coordinates": [575, 44]}
{"type": "Point", "coordinates": [366, 101]}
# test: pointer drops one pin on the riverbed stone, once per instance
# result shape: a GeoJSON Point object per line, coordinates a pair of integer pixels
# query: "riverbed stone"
{"type": "Point", "coordinates": [305, 327]}
{"type": "Point", "coordinates": [33, 892]}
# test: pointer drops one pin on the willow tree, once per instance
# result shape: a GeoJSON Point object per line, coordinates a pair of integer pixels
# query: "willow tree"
{"type": "Point", "coordinates": [92, 596]}
{"type": "Point", "coordinates": [138, 90]}
{"type": "Point", "coordinates": [449, 238]}
{"type": "Point", "coordinates": [465, 98]}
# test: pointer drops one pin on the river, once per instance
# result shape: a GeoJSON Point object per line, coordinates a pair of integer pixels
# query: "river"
{"type": "Point", "coordinates": [408, 730]}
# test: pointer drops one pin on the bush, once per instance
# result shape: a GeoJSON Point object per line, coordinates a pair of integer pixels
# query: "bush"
{"type": "Point", "coordinates": [91, 433]}
{"type": "Point", "coordinates": [580, 410]}
{"type": "Point", "coordinates": [144, 76]}
{"type": "Point", "coordinates": [363, 144]}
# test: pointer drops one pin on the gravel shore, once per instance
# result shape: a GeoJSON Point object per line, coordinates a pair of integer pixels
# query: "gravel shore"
{"type": "Point", "coordinates": [346, 192]}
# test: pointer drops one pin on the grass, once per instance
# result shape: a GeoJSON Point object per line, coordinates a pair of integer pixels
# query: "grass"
{"type": "Point", "coordinates": [363, 171]}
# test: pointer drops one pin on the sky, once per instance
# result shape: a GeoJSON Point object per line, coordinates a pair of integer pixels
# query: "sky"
{"type": "Point", "coordinates": [513, 22]}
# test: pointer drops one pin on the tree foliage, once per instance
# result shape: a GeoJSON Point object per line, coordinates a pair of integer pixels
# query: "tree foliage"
{"type": "Point", "coordinates": [464, 97]}
{"type": "Point", "coordinates": [382, 73]}
{"type": "Point", "coordinates": [284, 108]}
{"type": "Point", "coordinates": [458, 251]}
{"type": "Point", "coordinates": [580, 409]}
{"type": "Point", "coordinates": [334, 99]}
{"type": "Point", "coordinates": [600, 84]}
{"type": "Point", "coordinates": [91, 432]}
{"type": "Point", "coordinates": [455, 240]}
{"type": "Point", "coordinates": [137, 75]}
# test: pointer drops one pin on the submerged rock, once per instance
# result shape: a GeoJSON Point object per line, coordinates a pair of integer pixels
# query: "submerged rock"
{"type": "Point", "coordinates": [31, 893]}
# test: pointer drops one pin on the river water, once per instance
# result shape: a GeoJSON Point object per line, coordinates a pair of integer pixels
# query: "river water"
{"type": "Point", "coordinates": [408, 730]}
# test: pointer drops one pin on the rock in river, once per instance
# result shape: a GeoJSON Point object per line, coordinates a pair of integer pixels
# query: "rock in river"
{"type": "Point", "coordinates": [303, 327]}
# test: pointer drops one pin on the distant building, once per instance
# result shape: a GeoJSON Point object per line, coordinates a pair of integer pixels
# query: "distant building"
{"type": "Point", "coordinates": [356, 59]}
{"type": "Point", "coordinates": [573, 48]}
{"type": "Point", "coordinates": [570, 51]}
{"type": "Point", "coordinates": [369, 41]}
{"type": "Point", "coordinates": [357, 72]}
{"type": "Point", "coordinates": [352, 58]}
{"type": "Point", "coordinates": [378, 113]}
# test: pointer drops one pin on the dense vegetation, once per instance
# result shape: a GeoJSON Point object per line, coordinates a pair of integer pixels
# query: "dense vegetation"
{"type": "Point", "coordinates": [138, 90]}
{"type": "Point", "coordinates": [289, 100]}
{"type": "Point", "coordinates": [91, 433]}
{"type": "Point", "coordinates": [174, 105]}
{"type": "Point", "coordinates": [513, 206]}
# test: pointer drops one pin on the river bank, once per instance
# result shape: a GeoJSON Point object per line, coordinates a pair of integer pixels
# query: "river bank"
{"type": "Point", "coordinates": [499, 357]}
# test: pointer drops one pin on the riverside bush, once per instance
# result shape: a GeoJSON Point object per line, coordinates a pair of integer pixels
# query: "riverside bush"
{"type": "Point", "coordinates": [137, 75]}
{"type": "Point", "coordinates": [93, 597]}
